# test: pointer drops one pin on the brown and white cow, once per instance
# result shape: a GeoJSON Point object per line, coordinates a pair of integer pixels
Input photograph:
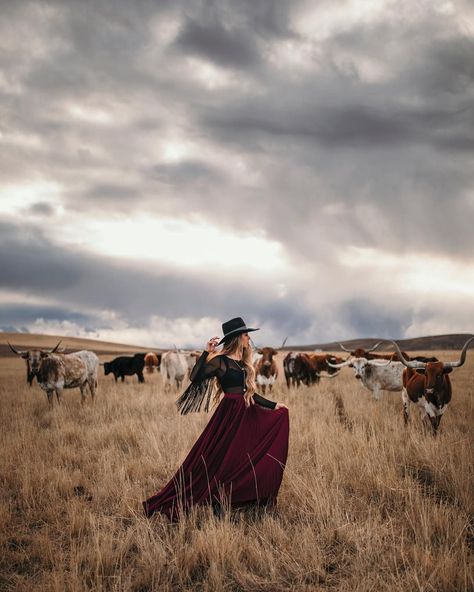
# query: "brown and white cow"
{"type": "Point", "coordinates": [427, 385]}
{"type": "Point", "coordinates": [266, 371]}
{"type": "Point", "coordinates": [56, 371]}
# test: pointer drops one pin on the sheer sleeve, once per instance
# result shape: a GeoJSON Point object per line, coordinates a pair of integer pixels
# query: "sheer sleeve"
{"type": "Point", "coordinates": [198, 394]}
{"type": "Point", "coordinates": [259, 400]}
{"type": "Point", "coordinates": [204, 369]}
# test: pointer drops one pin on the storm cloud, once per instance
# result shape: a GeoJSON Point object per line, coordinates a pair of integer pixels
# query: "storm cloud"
{"type": "Point", "coordinates": [340, 138]}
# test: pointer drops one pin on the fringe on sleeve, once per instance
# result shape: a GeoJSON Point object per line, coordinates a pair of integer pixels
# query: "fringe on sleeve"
{"type": "Point", "coordinates": [195, 395]}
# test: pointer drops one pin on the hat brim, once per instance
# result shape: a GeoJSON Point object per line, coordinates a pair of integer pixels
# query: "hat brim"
{"type": "Point", "coordinates": [236, 332]}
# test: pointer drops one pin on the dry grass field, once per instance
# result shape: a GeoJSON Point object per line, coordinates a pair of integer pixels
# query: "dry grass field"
{"type": "Point", "coordinates": [365, 504]}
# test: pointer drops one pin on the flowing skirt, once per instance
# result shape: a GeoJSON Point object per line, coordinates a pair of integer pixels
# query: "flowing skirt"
{"type": "Point", "coordinates": [239, 458]}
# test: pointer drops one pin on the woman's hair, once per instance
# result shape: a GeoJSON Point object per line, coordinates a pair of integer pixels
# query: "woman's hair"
{"type": "Point", "coordinates": [231, 347]}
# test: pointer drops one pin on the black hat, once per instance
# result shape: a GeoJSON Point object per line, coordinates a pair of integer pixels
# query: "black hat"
{"type": "Point", "coordinates": [233, 328]}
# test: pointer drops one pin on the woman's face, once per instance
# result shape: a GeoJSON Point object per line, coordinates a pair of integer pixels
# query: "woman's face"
{"type": "Point", "coordinates": [245, 340]}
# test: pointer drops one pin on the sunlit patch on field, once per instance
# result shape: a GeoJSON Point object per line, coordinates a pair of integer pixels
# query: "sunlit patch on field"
{"type": "Point", "coordinates": [365, 504]}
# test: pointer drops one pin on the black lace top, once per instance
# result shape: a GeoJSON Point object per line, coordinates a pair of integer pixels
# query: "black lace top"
{"type": "Point", "coordinates": [229, 372]}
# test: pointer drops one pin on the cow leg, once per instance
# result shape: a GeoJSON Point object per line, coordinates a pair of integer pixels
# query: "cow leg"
{"type": "Point", "coordinates": [264, 388]}
{"type": "Point", "coordinates": [93, 388]}
{"type": "Point", "coordinates": [406, 405]}
{"type": "Point", "coordinates": [141, 378]}
{"type": "Point", "coordinates": [58, 396]}
{"type": "Point", "coordinates": [376, 393]}
{"type": "Point", "coordinates": [123, 377]}
{"type": "Point", "coordinates": [49, 394]}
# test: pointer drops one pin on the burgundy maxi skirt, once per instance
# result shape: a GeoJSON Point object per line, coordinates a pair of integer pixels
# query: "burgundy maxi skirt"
{"type": "Point", "coordinates": [237, 460]}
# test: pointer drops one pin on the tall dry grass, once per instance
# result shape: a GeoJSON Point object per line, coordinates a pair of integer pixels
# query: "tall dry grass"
{"type": "Point", "coordinates": [365, 504]}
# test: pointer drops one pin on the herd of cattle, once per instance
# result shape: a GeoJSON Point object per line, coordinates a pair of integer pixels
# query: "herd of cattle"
{"type": "Point", "coordinates": [423, 381]}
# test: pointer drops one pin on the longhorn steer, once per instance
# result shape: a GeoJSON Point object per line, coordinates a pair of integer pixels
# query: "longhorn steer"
{"type": "Point", "coordinates": [266, 371]}
{"type": "Point", "coordinates": [427, 384]}
{"type": "Point", "coordinates": [32, 359]}
{"type": "Point", "coordinates": [56, 371]}
{"type": "Point", "coordinates": [376, 375]}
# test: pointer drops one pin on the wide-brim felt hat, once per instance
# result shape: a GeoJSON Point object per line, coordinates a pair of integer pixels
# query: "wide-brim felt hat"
{"type": "Point", "coordinates": [233, 328]}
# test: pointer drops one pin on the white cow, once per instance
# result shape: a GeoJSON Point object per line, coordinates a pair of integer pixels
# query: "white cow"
{"type": "Point", "coordinates": [174, 368]}
{"type": "Point", "coordinates": [376, 375]}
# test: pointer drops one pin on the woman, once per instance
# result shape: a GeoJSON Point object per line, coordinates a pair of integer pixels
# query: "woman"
{"type": "Point", "coordinates": [239, 458]}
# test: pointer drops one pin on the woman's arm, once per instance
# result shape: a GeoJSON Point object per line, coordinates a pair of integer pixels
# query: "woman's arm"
{"type": "Point", "coordinates": [202, 369]}
{"type": "Point", "coordinates": [259, 400]}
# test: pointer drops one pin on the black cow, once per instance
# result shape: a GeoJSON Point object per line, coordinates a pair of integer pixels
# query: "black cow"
{"type": "Point", "coordinates": [126, 366]}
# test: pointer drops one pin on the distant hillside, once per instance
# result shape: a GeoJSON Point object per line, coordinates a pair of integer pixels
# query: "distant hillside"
{"type": "Point", "coordinates": [30, 340]}
{"type": "Point", "coordinates": [431, 342]}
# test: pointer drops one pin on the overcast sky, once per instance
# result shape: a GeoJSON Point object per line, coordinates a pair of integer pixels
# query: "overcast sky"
{"type": "Point", "coordinates": [166, 165]}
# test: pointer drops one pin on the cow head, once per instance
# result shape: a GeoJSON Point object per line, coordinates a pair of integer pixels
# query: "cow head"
{"type": "Point", "coordinates": [107, 368]}
{"type": "Point", "coordinates": [363, 367]}
{"type": "Point", "coordinates": [360, 352]}
{"type": "Point", "coordinates": [267, 354]}
{"type": "Point", "coordinates": [33, 359]}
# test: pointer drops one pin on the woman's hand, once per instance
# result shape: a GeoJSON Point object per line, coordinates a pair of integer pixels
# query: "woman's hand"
{"type": "Point", "coordinates": [212, 344]}
{"type": "Point", "coordinates": [281, 406]}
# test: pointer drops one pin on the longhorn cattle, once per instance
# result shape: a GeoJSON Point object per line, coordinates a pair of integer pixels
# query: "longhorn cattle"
{"type": "Point", "coordinates": [174, 368]}
{"type": "Point", "coordinates": [427, 385]}
{"type": "Point", "coordinates": [126, 366]}
{"type": "Point", "coordinates": [266, 371]}
{"type": "Point", "coordinates": [152, 361]}
{"type": "Point", "coordinates": [307, 368]}
{"type": "Point", "coordinates": [33, 359]}
{"type": "Point", "coordinates": [56, 371]}
{"type": "Point", "coordinates": [376, 375]}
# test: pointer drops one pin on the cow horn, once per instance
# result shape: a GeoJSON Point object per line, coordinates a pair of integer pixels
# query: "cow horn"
{"type": "Point", "coordinates": [462, 359]}
{"type": "Point", "coordinates": [56, 348]}
{"type": "Point", "coordinates": [344, 348]}
{"type": "Point", "coordinates": [328, 375]}
{"type": "Point", "coordinates": [283, 344]}
{"type": "Point", "coordinates": [341, 365]}
{"type": "Point", "coordinates": [373, 348]}
{"type": "Point", "coordinates": [18, 353]}
{"type": "Point", "coordinates": [406, 362]}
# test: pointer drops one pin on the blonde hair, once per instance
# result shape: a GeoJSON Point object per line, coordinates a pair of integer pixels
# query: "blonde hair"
{"type": "Point", "coordinates": [231, 347]}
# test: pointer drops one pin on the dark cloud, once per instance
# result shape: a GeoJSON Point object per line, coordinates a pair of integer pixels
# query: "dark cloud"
{"type": "Point", "coordinates": [42, 208]}
{"type": "Point", "coordinates": [214, 42]}
{"type": "Point", "coordinates": [21, 314]}
{"type": "Point", "coordinates": [367, 318]}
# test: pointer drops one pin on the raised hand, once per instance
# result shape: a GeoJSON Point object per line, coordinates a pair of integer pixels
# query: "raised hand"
{"type": "Point", "coordinates": [212, 344]}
